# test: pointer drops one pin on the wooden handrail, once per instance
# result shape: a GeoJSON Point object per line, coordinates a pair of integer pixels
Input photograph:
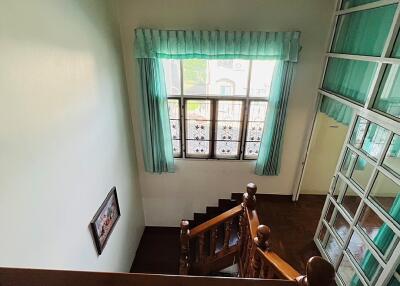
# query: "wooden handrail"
{"type": "Point", "coordinates": [252, 251]}
{"type": "Point", "coordinates": [208, 225]}
{"type": "Point", "coordinates": [39, 277]}
{"type": "Point", "coordinates": [282, 269]}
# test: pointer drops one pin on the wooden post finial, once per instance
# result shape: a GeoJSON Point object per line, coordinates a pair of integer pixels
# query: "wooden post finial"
{"type": "Point", "coordinates": [262, 238]}
{"type": "Point", "coordinates": [251, 189]}
{"type": "Point", "coordinates": [184, 226]}
{"type": "Point", "coordinates": [249, 198]}
{"type": "Point", "coordinates": [318, 272]}
{"type": "Point", "coordinates": [184, 253]}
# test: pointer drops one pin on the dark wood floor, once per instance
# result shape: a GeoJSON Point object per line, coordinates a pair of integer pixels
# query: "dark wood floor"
{"type": "Point", "coordinates": [292, 230]}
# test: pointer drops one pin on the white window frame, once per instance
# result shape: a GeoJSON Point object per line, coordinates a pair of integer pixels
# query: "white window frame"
{"type": "Point", "coordinates": [247, 99]}
{"type": "Point", "coordinates": [387, 121]}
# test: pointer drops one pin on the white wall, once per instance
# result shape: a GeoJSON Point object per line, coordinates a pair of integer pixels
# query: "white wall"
{"type": "Point", "coordinates": [168, 198]}
{"type": "Point", "coordinates": [326, 144]}
{"type": "Point", "coordinates": [65, 136]}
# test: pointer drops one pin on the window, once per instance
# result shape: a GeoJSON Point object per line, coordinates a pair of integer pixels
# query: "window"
{"type": "Point", "coordinates": [217, 108]}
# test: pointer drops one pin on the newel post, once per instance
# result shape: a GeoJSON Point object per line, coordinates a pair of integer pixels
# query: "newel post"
{"type": "Point", "coordinates": [261, 241]}
{"type": "Point", "coordinates": [249, 198]}
{"type": "Point", "coordinates": [184, 255]}
{"type": "Point", "coordinates": [318, 272]}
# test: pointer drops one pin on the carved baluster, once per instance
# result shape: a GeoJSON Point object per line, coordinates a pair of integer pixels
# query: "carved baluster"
{"type": "Point", "coordinates": [213, 240]}
{"type": "Point", "coordinates": [318, 272]}
{"type": "Point", "coordinates": [242, 232]}
{"type": "Point", "coordinates": [260, 241]}
{"type": "Point", "coordinates": [249, 250]}
{"type": "Point", "coordinates": [249, 198]}
{"type": "Point", "coordinates": [268, 271]}
{"type": "Point", "coordinates": [228, 228]}
{"type": "Point", "coordinates": [201, 248]}
{"type": "Point", "coordinates": [243, 244]}
{"type": "Point", "coordinates": [184, 255]}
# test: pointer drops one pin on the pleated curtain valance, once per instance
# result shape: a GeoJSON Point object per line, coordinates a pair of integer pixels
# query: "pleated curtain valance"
{"type": "Point", "coordinates": [153, 45]}
{"type": "Point", "coordinates": [187, 44]}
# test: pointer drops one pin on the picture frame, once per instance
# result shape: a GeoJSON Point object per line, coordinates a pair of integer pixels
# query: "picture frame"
{"type": "Point", "coordinates": [105, 219]}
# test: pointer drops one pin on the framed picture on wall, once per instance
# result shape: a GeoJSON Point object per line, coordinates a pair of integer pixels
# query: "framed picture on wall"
{"type": "Point", "coordinates": [105, 220]}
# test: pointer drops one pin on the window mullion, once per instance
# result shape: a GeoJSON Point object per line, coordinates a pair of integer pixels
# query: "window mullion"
{"type": "Point", "coordinates": [213, 128]}
{"type": "Point", "coordinates": [246, 114]}
{"type": "Point", "coordinates": [183, 112]}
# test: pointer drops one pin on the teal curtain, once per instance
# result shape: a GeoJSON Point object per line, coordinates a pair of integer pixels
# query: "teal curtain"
{"type": "Point", "coordinates": [171, 44]}
{"type": "Point", "coordinates": [388, 98]}
{"type": "Point", "coordinates": [349, 78]}
{"type": "Point", "coordinates": [363, 32]}
{"type": "Point", "coordinates": [346, 4]}
{"type": "Point", "coordinates": [151, 45]}
{"type": "Point", "coordinates": [382, 240]}
{"type": "Point", "coordinates": [336, 110]}
{"type": "Point", "coordinates": [156, 133]}
{"type": "Point", "coordinates": [268, 161]}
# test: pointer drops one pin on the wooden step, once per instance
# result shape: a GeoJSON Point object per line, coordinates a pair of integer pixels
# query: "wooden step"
{"type": "Point", "coordinates": [237, 197]}
{"type": "Point", "coordinates": [226, 204]}
{"type": "Point", "coordinates": [199, 218]}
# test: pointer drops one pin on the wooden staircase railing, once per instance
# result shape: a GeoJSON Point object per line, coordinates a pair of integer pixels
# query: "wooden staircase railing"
{"type": "Point", "coordinates": [40, 277]}
{"type": "Point", "coordinates": [251, 252]}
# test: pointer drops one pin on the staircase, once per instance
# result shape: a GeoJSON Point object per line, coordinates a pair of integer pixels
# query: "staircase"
{"type": "Point", "coordinates": [213, 211]}
{"type": "Point", "coordinates": [227, 235]}
{"type": "Point", "coordinates": [231, 234]}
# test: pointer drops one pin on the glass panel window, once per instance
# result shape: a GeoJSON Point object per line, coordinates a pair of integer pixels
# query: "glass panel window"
{"type": "Point", "coordinates": [333, 250]}
{"type": "Point", "coordinates": [341, 226]}
{"type": "Point", "coordinates": [217, 108]}
{"type": "Point", "coordinates": [379, 233]}
{"type": "Point", "coordinates": [228, 130]}
{"type": "Point", "coordinates": [340, 186]}
{"type": "Point", "coordinates": [348, 162]}
{"type": "Point", "coordinates": [198, 128]}
{"type": "Point", "coordinates": [175, 125]}
{"type": "Point", "coordinates": [347, 273]}
{"type": "Point", "coordinates": [215, 77]}
{"type": "Point", "coordinates": [350, 201]}
{"type": "Point", "coordinates": [364, 257]}
{"type": "Point", "coordinates": [328, 215]}
{"type": "Point", "coordinates": [387, 194]}
{"type": "Point", "coordinates": [362, 172]}
{"type": "Point", "coordinates": [357, 136]}
{"type": "Point", "coordinates": [375, 140]}
{"type": "Point", "coordinates": [172, 73]}
{"type": "Point", "coordinates": [388, 97]}
{"type": "Point", "coordinates": [346, 4]}
{"type": "Point", "coordinates": [255, 127]}
{"type": "Point", "coordinates": [392, 158]}
{"type": "Point", "coordinates": [322, 234]}
{"type": "Point", "coordinates": [349, 78]}
{"type": "Point", "coordinates": [396, 48]}
{"type": "Point", "coordinates": [394, 282]}
{"type": "Point", "coordinates": [363, 32]}
{"type": "Point", "coordinates": [261, 78]}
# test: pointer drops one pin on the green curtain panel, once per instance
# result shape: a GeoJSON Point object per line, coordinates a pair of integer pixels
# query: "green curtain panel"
{"type": "Point", "coordinates": [156, 133]}
{"type": "Point", "coordinates": [388, 98]}
{"type": "Point", "coordinates": [396, 48]}
{"type": "Point", "coordinates": [346, 4]}
{"type": "Point", "coordinates": [383, 241]}
{"type": "Point", "coordinates": [188, 44]}
{"type": "Point", "coordinates": [349, 78]}
{"type": "Point", "coordinates": [336, 110]}
{"type": "Point", "coordinates": [268, 162]}
{"type": "Point", "coordinates": [152, 45]}
{"type": "Point", "coordinates": [363, 32]}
